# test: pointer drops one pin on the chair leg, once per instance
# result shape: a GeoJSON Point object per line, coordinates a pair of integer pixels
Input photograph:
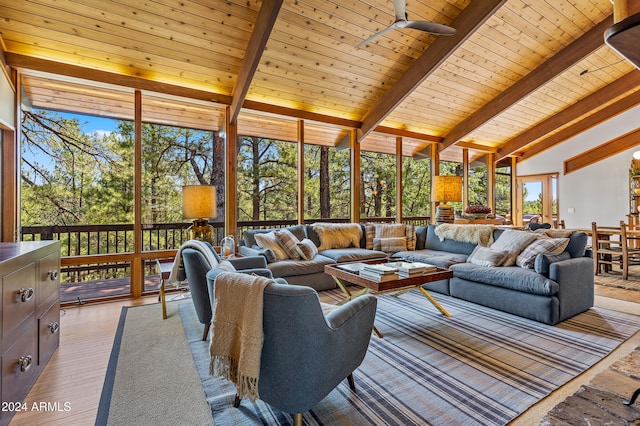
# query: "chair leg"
{"type": "Point", "coordinates": [297, 419]}
{"type": "Point", "coordinates": [205, 334]}
{"type": "Point", "coordinates": [236, 401]}
{"type": "Point", "coordinates": [352, 384]}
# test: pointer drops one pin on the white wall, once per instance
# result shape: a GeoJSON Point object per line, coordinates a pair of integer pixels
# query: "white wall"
{"type": "Point", "coordinates": [599, 192]}
{"type": "Point", "coordinates": [7, 100]}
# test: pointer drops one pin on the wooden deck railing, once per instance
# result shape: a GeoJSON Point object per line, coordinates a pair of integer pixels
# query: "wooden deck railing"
{"type": "Point", "coordinates": [91, 252]}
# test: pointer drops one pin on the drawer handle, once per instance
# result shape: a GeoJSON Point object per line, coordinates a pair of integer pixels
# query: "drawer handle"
{"type": "Point", "coordinates": [25, 363]}
{"type": "Point", "coordinates": [26, 294]}
{"type": "Point", "coordinates": [53, 274]}
{"type": "Point", "coordinates": [54, 327]}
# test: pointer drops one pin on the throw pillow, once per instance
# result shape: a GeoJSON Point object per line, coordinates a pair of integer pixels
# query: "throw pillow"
{"type": "Point", "coordinates": [486, 256]}
{"type": "Point", "coordinates": [369, 234]}
{"type": "Point", "coordinates": [306, 249]}
{"type": "Point", "coordinates": [270, 241]}
{"type": "Point", "coordinates": [338, 235]}
{"type": "Point", "coordinates": [411, 237]}
{"type": "Point", "coordinates": [527, 257]}
{"type": "Point", "coordinates": [544, 260]}
{"type": "Point", "coordinates": [513, 242]}
{"type": "Point", "coordinates": [390, 245]}
{"type": "Point", "coordinates": [289, 243]}
{"type": "Point", "coordinates": [227, 266]}
{"type": "Point", "coordinates": [390, 230]}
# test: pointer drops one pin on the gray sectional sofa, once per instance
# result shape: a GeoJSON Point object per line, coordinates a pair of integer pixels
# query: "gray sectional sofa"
{"type": "Point", "coordinates": [557, 288]}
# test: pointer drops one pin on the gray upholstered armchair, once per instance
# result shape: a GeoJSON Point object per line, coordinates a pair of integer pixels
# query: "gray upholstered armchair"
{"type": "Point", "coordinates": [197, 269]}
{"type": "Point", "coordinates": [305, 355]}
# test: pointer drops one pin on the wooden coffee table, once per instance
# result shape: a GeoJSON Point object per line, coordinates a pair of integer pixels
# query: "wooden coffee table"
{"type": "Point", "coordinates": [397, 285]}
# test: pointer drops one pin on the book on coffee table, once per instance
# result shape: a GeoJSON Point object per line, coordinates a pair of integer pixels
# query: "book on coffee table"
{"type": "Point", "coordinates": [374, 276]}
{"type": "Point", "coordinates": [379, 268]}
{"type": "Point", "coordinates": [351, 267]}
{"type": "Point", "coordinates": [406, 269]}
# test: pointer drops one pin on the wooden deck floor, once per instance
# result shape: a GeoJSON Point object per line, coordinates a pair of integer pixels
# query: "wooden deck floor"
{"type": "Point", "coordinates": [100, 289]}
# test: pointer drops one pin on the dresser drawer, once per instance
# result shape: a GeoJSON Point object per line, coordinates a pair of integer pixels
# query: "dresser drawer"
{"type": "Point", "coordinates": [49, 329]}
{"type": "Point", "coordinates": [48, 278]}
{"type": "Point", "coordinates": [18, 297]}
{"type": "Point", "coordinates": [19, 369]}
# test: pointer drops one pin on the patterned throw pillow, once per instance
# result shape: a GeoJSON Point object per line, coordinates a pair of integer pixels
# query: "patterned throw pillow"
{"type": "Point", "coordinates": [485, 256]}
{"type": "Point", "coordinates": [306, 249]}
{"type": "Point", "coordinates": [527, 258]}
{"type": "Point", "coordinates": [513, 242]}
{"type": "Point", "coordinates": [270, 241]}
{"type": "Point", "coordinates": [390, 245]}
{"type": "Point", "coordinates": [390, 230]}
{"type": "Point", "coordinates": [289, 243]}
{"type": "Point", "coordinates": [370, 233]}
{"type": "Point", "coordinates": [410, 234]}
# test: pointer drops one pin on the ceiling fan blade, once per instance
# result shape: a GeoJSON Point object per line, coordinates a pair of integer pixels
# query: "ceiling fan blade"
{"type": "Point", "coordinates": [431, 27]}
{"type": "Point", "coordinates": [400, 7]}
{"type": "Point", "coordinates": [376, 35]}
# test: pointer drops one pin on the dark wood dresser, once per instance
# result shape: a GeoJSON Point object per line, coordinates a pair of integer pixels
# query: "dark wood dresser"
{"type": "Point", "coordinates": [30, 318]}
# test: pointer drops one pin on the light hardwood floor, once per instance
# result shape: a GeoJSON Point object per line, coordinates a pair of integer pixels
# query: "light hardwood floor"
{"type": "Point", "coordinates": [76, 372]}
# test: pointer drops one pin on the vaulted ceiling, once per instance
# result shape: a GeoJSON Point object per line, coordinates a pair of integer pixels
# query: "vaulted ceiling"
{"type": "Point", "coordinates": [518, 77]}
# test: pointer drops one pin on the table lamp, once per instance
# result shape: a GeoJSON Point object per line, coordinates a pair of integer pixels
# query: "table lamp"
{"type": "Point", "coordinates": [446, 189]}
{"type": "Point", "coordinates": [199, 204]}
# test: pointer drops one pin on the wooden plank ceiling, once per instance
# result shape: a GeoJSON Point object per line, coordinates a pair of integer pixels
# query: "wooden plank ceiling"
{"type": "Point", "coordinates": [518, 73]}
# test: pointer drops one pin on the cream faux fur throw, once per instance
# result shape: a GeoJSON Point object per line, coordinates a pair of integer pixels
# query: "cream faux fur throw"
{"type": "Point", "coordinates": [237, 335]}
{"type": "Point", "coordinates": [477, 234]}
{"type": "Point", "coordinates": [338, 235]}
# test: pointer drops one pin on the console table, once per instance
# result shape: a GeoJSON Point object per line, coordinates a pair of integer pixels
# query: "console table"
{"type": "Point", "coordinates": [29, 317]}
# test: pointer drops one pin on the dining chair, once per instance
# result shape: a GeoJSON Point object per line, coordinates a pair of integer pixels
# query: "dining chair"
{"type": "Point", "coordinates": [607, 246]}
{"type": "Point", "coordinates": [630, 236]}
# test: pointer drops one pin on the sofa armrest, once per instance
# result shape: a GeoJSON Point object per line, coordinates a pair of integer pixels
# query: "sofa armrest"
{"type": "Point", "coordinates": [575, 279]}
{"type": "Point", "coordinates": [248, 262]}
{"type": "Point", "coordinates": [251, 251]}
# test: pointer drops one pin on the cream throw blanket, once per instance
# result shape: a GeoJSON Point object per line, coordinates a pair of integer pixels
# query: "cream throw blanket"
{"type": "Point", "coordinates": [338, 235]}
{"type": "Point", "coordinates": [477, 234]}
{"type": "Point", "coordinates": [237, 336]}
{"type": "Point", "coordinates": [177, 273]}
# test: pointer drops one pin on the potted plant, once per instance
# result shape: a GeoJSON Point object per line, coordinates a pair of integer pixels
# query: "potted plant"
{"type": "Point", "coordinates": [477, 211]}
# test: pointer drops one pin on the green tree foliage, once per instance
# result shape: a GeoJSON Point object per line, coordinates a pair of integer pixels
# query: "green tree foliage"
{"type": "Point", "coordinates": [416, 187]}
{"type": "Point", "coordinates": [378, 185]}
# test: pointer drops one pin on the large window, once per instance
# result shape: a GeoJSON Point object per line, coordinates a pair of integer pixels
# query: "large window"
{"type": "Point", "coordinates": [327, 182]}
{"type": "Point", "coordinates": [416, 187]}
{"type": "Point", "coordinates": [77, 187]}
{"type": "Point", "coordinates": [378, 185]}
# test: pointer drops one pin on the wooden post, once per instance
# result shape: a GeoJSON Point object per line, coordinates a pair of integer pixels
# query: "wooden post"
{"type": "Point", "coordinates": [435, 171]}
{"type": "Point", "coordinates": [465, 178]}
{"type": "Point", "coordinates": [399, 179]}
{"type": "Point", "coordinates": [137, 266]}
{"type": "Point", "coordinates": [10, 192]}
{"type": "Point", "coordinates": [491, 181]}
{"type": "Point", "coordinates": [355, 176]}
{"type": "Point", "coordinates": [231, 177]}
{"type": "Point", "coordinates": [301, 171]}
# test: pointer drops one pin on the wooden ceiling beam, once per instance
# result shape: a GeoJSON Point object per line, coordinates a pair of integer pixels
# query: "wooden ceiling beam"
{"type": "Point", "coordinates": [576, 51]}
{"type": "Point", "coordinates": [262, 31]}
{"type": "Point", "coordinates": [583, 125]}
{"type": "Point", "coordinates": [44, 65]}
{"type": "Point", "coordinates": [572, 113]}
{"type": "Point", "coordinates": [472, 17]}
{"type": "Point", "coordinates": [603, 151]}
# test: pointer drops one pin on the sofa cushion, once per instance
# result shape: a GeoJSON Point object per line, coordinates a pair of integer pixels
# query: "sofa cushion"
{"type": "Point", "coordinates": [432, 242]}
{"type": "Point", "coordinates": [249, 240]}
{"type": "Point", "coordinates": [287, 268]}
{"type": "Point", "coordinates": [577, 246]}
{"type": "Point", "coordinates": [352, 254]}
{"type": "Point", "coordinates": [486, 256]}
{"type": "Point", "coordinates": [513, 242]}
{"type": "Point", "coordinates": [514, 277]}
{"type": "Point", "coordinates": [441, 259]}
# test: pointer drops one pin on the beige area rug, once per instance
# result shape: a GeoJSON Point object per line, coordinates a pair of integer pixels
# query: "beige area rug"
{"type": "Point", "coordinates": [151, 378]}
{"type": "Point", "coordinates": [614, 279]}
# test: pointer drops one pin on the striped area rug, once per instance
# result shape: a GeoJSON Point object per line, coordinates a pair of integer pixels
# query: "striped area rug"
{"type": "Point", "coordinates": [480, 367]}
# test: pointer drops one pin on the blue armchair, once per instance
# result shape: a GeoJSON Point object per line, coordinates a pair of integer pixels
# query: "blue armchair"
{"type": "Point", "coordinates": [197, 269]}
{"type": "Point", "coordinates": [306, 354]}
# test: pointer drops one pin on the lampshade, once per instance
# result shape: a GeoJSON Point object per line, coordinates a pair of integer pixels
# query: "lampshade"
{"type": "Point", "coordinates": [198, 201]}
{"type": "Point", "coordinates": [447, 188]}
